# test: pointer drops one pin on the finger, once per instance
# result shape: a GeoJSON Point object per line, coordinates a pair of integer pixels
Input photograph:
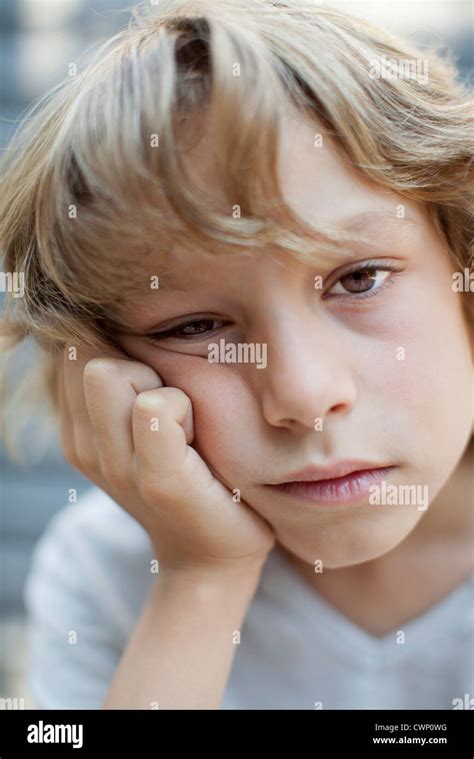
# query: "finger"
{"type": "Point", "coordinates": [162, 424]}
{"type": "Point", "coordinates": [111, 386]}
{"type": "Point", "coordinates": [85, 444]}
{"type": "Point", "coordinates": [171, 475]}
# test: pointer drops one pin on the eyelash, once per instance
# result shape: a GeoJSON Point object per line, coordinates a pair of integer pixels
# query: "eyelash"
{"type": "Point", "coordinates": [157, 337]}
{"type": "Point", "coordinates": [372, 293]}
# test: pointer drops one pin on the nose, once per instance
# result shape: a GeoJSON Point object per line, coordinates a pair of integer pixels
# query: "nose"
{"type": "Point", "coordinates": [308, 380]}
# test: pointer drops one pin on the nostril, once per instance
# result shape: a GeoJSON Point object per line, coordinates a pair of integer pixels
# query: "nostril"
{"type": "Point", "coordinates": [338, 407]}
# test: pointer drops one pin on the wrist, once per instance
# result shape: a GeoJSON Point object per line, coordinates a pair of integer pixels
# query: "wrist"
{"type": "Point", "coordinates": [207, 580]}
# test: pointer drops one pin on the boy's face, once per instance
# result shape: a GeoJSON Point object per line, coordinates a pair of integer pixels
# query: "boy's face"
{"type": "Point", "coordinates": [382, 360]}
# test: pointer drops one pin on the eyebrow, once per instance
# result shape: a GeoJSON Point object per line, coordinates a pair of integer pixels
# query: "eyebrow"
{"type": "Point", "coordinates": [374, 222]}
{"type": "Point", "coordinates": [380, 230]}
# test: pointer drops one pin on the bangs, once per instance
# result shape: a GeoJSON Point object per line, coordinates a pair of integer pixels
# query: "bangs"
{"type": "Point", "coordinates": [98, 189]}
{"type": "Point", "coordinates": [119, 188]}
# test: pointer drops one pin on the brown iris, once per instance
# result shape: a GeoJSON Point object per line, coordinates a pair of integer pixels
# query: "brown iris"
{"type": "Point", "coordinates": [359, 281]}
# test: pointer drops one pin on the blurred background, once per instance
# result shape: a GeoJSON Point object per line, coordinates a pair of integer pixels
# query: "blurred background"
{"type": "Point", "coordinates": [38, 41]}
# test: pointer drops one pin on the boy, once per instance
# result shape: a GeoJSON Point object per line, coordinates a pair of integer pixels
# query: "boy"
{"type": "Point", "coordinates": [293, 533]}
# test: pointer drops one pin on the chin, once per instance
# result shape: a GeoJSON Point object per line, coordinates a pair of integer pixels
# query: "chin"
{"type": "Point", "coordinates": [341, 549]}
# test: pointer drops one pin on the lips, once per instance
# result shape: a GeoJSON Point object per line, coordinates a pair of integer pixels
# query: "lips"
{"type": "Point", "coordinates": [344, 482]}
{"type": "Point", "coordinates": [339, 469]}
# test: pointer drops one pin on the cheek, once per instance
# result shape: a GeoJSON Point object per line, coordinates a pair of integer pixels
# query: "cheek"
{"type": "Point", "coordinates": [422, 354]}
{"type": "Point", "coordinates": [438, 371]}
{"type": "Point", "coordinates": [224, 412]}
{"type": "Point", "coordinates": [432, 383]}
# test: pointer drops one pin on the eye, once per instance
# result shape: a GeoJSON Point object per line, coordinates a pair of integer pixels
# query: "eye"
{"type": "Point", "coordinates": [189, 330]}
{"type": "Point", "coordinates": [362, 281]}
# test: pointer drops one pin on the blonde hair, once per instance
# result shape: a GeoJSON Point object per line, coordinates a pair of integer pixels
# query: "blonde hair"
{"type": "Point", "coordinates": [94, 180]}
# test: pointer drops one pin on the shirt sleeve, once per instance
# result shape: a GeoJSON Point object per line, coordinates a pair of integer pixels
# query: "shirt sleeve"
{"type": "Point", "coordinates": [74, 643]}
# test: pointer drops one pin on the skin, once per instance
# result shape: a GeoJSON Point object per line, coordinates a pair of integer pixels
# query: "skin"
{"type": "Point", "coordinates": [335, 357]}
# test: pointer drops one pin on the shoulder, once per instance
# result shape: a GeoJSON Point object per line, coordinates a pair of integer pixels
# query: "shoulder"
{"type": "Point", "coordinates": [93, 542]}
{"type": "Point", "coordinates": [99, 517]}
{"type": "Point", "coordinates": [89, 576]}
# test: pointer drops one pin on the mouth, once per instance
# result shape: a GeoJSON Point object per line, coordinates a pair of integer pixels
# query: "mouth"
{"type": "Point", "coordinates": [343, 483]}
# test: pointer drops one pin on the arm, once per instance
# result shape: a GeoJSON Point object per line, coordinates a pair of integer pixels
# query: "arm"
{"type": "Point", "coordinates": [211, 549]}
{"type": "Point", "coordinates": [181, 651]}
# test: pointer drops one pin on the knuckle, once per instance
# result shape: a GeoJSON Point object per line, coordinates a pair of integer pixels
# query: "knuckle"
{"type": "Point", "coordinates": [96, 370]}
{"type": "Point", "coordinates": [137, 373]}
{"type": "Point", "coordinates": [148, 402]}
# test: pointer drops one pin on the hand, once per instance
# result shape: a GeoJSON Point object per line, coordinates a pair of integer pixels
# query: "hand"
{"type": "Point", "coordinates": [132, 437]}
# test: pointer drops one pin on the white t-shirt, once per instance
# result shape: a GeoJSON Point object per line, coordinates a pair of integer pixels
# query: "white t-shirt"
{"type": "Point", "coordinates": [91, 574]}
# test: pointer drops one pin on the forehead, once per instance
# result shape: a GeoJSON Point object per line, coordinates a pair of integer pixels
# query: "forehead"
{"type": "Point", "coordinates": [316, 177]}
{"type": "Point", "coordinates": [317, 182]}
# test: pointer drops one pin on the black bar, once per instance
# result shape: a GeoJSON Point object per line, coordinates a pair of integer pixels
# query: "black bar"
{"type": "Point", "coordinates": [318, 733]}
